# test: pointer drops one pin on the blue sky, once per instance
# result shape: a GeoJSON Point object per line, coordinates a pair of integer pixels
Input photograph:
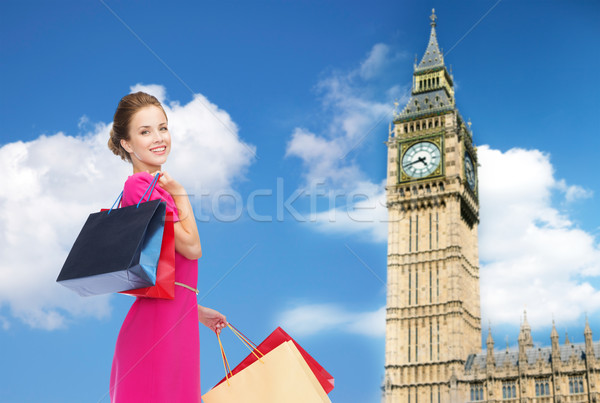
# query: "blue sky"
{"type": "Point", "coordinates": [268, 101]}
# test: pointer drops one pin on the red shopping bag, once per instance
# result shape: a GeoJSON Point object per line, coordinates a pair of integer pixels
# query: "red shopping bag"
{"type": "Point", "coordinates": [276, 338]}
{"type": "Point", "coordinates": [165, 271]}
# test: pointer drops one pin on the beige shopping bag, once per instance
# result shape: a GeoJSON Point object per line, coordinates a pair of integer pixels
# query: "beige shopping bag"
{"type": "Point", "coordinates": [281, 376]}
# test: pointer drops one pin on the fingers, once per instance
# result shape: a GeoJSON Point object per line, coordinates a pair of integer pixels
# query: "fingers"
{"type": "Point", "coordinates": [219, 326]}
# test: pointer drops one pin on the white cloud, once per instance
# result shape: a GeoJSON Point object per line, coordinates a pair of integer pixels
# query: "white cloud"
{"type": "Point", "coordinates": [323, 158]}
{"type": "Point", "coordinates": [159, 91]}
{"type": "Point", "coordinates": [574, 192]}
{"type": "Point", "coordinates": [52, 183]}
{"type": "Point", "coordinates": [306, 320]}
{"type": "Point", "coordinates": [328, 157]}
{"type": "Point", "coordinates": [5, 323]}
{"type": "Point", "coordinates": [375, 61]}
{"type": "Point", "coordinates": [532, 256]}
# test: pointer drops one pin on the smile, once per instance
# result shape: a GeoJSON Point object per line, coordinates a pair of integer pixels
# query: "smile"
{"type": "Point", "coordinates": [158, 149]}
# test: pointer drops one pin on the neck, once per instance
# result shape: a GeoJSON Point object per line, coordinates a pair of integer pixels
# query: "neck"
{"type": "Point", "coordinates": [139, 166]}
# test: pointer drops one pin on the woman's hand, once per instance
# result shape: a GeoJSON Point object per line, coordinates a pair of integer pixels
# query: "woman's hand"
{"type": "Point", "coordinates": [212, 319]}
{"type": "Point", "coordinates": [169, 184]}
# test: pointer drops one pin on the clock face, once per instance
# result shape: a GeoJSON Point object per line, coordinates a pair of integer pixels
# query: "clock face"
{"type": "Point", "coordinates": [421, 159]}
{"type": "Point", "coordinates": [470, 172]}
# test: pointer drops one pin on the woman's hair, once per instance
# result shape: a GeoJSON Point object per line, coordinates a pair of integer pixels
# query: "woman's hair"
{"type": "Point", "coordinates": [128, 106]}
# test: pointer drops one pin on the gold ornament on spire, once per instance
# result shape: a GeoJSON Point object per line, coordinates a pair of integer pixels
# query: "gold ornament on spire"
{"type": "Point", "coordinates": [433, 17]}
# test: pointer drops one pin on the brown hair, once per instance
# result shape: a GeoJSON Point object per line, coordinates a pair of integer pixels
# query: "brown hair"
{"type": "Point", "coordinates": [128, 106]}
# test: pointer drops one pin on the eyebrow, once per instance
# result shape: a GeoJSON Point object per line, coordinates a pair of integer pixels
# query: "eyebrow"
{"type": "Point", "coordinates": [144, 127]}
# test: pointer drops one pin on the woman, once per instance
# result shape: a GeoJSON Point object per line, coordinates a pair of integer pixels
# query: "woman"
{"type": "Point", "coordinates": [157, 356]}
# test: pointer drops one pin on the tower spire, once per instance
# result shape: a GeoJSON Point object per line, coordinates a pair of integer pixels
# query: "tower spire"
{"type": "Point", "coordinates": [432, 58]}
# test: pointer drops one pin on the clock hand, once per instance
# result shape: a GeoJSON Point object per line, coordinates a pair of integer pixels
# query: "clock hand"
{"type": "Point", "coordinates": [420, 159]}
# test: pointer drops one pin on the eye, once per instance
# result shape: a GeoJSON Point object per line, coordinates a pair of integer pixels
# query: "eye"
{"type": "Point", "coordinates": [145, 132]}
{"type": "Point", "coordinates": [164, 128]}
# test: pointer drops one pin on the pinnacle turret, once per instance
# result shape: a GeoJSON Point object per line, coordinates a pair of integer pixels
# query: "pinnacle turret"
{"type": "Point", "coordinates": [589, 342]}
{"type": "Point", "coordinates": [490, 362]}
{"type": "Point", "coordinates": [554, 333]}
{"type": "Point", "coordinates": [587, 331]}
{"type": "Point", "coordinates": [490, 339]}
{"type": "Point", "coordinates": [525, 334]}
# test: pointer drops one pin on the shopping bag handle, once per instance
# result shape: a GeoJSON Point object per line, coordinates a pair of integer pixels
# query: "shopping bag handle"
{"type": "Point", "coordinates": [250, 345]}
{"type": "Point", "coordinates": [151, 185]}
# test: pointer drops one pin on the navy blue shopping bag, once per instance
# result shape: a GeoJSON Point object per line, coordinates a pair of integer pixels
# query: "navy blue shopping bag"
{"type": "Point", "coordinates": [116, 250]}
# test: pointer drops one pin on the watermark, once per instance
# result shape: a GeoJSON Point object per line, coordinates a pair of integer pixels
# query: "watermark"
{"type": "Point", "coordinates": [315, 203]}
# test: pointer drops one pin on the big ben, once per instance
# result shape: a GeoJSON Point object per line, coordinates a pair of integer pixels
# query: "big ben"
{"type": "Point", "coordinates": [433, 319]}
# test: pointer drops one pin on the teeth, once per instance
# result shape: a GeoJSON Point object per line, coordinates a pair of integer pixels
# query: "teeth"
{"type": "Point", "coordinates": [158, 149]}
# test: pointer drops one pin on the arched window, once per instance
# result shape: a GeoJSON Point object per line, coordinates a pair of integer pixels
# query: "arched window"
{"type": "Point", "coordinates": [547, 389]}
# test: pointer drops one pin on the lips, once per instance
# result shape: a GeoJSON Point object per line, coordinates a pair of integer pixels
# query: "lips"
{"type": "Point", "coordinates": [158, 150]}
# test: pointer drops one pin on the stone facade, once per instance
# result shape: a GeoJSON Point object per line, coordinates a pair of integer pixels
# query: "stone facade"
{"type": "Point", "coordinates": [433, 319]}
{"type": "Point", "coordinates": [557, 374]}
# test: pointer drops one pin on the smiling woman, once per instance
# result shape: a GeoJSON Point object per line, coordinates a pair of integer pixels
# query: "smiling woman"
{"type": "Point", "coordinates": [157, 357]}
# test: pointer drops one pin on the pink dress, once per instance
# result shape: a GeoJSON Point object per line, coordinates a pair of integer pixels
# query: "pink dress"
{"type": "Point", "coordinates": [157, 356]}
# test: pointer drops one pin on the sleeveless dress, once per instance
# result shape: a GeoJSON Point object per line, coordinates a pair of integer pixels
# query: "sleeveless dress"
{"type": "Point", "coordinates": [157, 354]}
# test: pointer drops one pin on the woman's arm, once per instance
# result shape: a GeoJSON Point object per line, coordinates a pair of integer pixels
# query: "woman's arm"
{"type": "Point", "coordinates": [187, 240]}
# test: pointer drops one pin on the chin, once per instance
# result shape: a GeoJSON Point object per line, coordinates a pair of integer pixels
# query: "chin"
{"type": "Point", "coordinates": [158, 160]}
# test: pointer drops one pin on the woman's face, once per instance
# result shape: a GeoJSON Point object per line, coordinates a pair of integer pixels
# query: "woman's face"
{"type": "Point", "coordinates": [149, 141]}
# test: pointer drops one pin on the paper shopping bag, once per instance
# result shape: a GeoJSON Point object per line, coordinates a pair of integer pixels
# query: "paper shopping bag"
{"type": "Point", "coordinates": [165, 271]}
{"type": "Point", "coordinates": [116, 250]}
{"type": "Point", "coordinates": [275, 339]}
{"type": "Point", "coordinates": [281, 376]}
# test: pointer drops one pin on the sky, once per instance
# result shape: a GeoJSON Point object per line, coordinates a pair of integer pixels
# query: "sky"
{"type": "Point", "coordinates": [279, 112]}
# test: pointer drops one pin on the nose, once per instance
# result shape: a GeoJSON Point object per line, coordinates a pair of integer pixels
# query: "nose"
{"type": "Point", "coordinates": [157, 136]}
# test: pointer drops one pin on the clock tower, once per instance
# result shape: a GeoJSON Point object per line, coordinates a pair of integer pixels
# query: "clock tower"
{"type": "Point", "coordinates": [433, 319]}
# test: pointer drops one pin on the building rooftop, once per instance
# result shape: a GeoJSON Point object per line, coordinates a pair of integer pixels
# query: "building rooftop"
{"type": "Point", "coordinates": [567, 351]}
